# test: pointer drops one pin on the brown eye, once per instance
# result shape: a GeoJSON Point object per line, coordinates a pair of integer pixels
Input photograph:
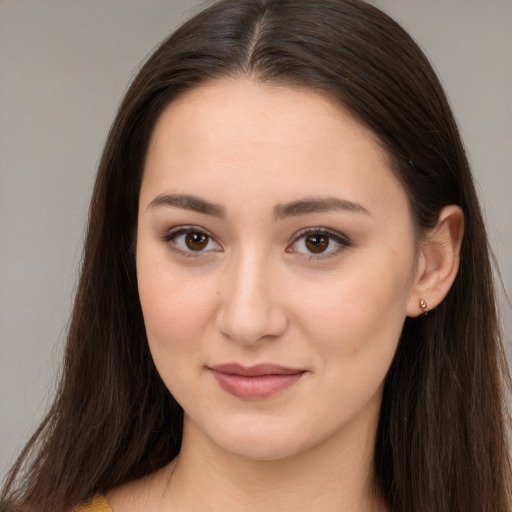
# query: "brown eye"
{"type": "Point", "coordinates": [196, 241]}
{"type": "Point", "coordinates": [191, 241]}
{"type": "Point", "coordinates": [316, 242]}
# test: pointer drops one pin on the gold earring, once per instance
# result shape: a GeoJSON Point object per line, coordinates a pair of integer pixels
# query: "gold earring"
{"type": "Point", "coordinates": [423, 305]}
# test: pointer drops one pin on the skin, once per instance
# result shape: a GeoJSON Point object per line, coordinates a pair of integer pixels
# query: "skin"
{"type": "Point", "coordinates": [256, 293]}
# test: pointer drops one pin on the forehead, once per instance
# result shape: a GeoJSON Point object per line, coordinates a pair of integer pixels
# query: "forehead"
{"type": "Point", "coordinates": [253, 136]}
{"type": "Point", "coordinates": [229, 109]}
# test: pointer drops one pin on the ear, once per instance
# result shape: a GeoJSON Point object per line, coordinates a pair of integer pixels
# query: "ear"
{"type": "Point", "coordinates": [438, 261]}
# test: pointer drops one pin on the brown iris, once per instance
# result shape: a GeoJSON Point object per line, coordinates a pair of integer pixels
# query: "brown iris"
{"type": "Point", "coordinates": [317, 243]}
{"type": "Point", "coordinates": [196, 241]}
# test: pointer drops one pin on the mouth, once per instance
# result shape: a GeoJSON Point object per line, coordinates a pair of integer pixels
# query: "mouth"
{"type": "Point", "coordinates": [255, 382]}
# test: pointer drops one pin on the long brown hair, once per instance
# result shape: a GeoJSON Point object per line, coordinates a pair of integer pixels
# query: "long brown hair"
{"type": "Point", "coordinates": [442, 438]}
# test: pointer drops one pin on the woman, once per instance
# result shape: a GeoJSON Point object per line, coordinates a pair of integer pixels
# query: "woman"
{"type": "Point", "coordinates": [286, 299]}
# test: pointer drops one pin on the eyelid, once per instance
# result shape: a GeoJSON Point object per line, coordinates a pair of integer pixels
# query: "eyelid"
{"type": "Point", "coordinates": [176, 231]}
{"type": "Point", "coordinates": [334, 235]}
{"type": "Point", "coordinates": [342, 240]}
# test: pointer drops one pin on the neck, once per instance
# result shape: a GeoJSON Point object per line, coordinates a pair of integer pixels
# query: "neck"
{"type": "Point", "coordinates": [336, 475]}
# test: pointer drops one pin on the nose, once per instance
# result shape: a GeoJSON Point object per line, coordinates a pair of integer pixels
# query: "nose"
{"type": "Point", "coordinates": [251, 308]}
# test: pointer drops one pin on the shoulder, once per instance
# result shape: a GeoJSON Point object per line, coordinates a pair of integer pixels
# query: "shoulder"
{"type": "Point", "coordinates": [96, 504]}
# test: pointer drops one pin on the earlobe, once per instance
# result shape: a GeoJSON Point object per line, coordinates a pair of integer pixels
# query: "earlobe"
{"type": "Point", "coordinates": [439, 262]}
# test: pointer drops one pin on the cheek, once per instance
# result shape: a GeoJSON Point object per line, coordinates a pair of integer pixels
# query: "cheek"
{"type": "Point", "coordinates": [353, 329]}
{"type": "Point", "coordinates": [358, 316]}
{"type": "Point", "coordinates": [176, 316]}
{"type": "Point", "coordinates": [177, 309]}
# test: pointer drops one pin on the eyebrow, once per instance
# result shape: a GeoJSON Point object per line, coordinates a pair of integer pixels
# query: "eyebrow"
{"type": "Point", "coordinates": [281, 211]}
{"type": "Point", "coordinates": [188, 202]}
{"type": "Point", "coordinates": [317, 205]}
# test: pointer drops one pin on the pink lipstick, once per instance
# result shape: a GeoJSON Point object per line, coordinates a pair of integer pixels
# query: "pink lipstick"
{"type": "Point", "coordinates": [255, 382]}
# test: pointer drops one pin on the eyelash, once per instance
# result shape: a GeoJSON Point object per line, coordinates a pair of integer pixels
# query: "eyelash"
{"type": "Point", "coordinates": [333, 236]}
{"type": "Point", "coordinates": [171, 236]}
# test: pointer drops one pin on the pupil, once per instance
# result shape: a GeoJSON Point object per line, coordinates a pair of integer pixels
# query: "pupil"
{"type": "Point", "coordinates": [317, 243]}
{"type": "Point", "coordinates": [196, 241]}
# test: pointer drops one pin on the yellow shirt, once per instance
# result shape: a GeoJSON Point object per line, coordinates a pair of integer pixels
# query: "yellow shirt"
{"type": "Point", "coordinates": [97, 504]}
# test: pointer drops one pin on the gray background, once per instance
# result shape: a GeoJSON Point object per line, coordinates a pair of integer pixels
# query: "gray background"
{"type": "Point", "coordinates": [64, 65]}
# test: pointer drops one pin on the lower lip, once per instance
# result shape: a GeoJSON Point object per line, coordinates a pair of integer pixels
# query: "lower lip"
{"type": "Point", "coordinates": [257, 386]}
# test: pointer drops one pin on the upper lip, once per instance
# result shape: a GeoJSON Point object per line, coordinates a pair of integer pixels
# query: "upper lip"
{"type": "Point", "coordinates": [252, 371]}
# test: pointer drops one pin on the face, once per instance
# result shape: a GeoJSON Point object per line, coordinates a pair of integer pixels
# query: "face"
{"type": "Point", "coordinates": [275, 260]}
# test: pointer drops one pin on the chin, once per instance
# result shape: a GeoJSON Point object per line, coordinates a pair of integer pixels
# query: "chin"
{"type": "Point", "coordinates": [259, 441]}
